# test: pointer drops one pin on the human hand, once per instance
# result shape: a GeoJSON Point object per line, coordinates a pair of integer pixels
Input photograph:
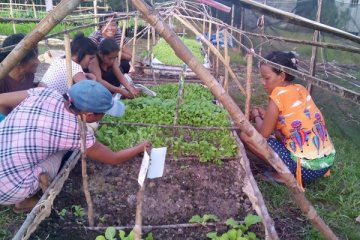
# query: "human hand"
{"type": "Point", "coordinates": [134, 91]}
{"type": "Point", "coordinates": [145, 145]}
{"type": "Point", "coordinates": [90, 76]}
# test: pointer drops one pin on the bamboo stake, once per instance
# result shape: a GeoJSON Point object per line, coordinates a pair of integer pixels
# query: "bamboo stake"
{"type": "Point", "coordinates": [122, 40]}
{"type": "Point", "coordinates": [262, 30]}
{"type": "Point", "coordinates": [12, 16]}
{"type": "Point", "coordinates": [214, 50]}
{"type": "Point", "coordinates": [38, 33]}
{"type": "Point", "coordinates": [95, 13]}
{"type": "Point", "coordinates": [138, 215]}
{"type": "Point", "coordinates": [85, 177]}
{"type": "Point", "coordinates": [249, 63]}
{"type": "Point", "coordinates": [180, 96]}
{"type": "Point", "coordinates": [184, 53]}
{"type": "Point", "coordinates": [316, 38]}
{"type": "Point", "coordinates": [232, 19]}
{"type": "Point", "coordinates": [127, 5]}
{"type": "Point", "coordinates": [68, 60]}
{"type": "Point", "coordinates": [209, 35]}
{"type": "Point", "coordinates": [227, 60]}
{"type": "Point", "coordinates": [203, 26]}
{"type": "Point", "coordinates": [134, 41]}
{"type": "Point", "coordinates": [34, 9]}
{"type": "Point", "coordinates": [242, 15]}
{"type": "Point", "coordinates": [218, 49]}
{"type": "Point", "coordinates": [153, 34]}
{"type": "Point", "coordinates": [301, 21]}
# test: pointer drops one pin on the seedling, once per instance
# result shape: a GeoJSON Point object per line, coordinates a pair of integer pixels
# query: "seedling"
{"type": "Point", "coordinates": [62, 213]}
{"type": "Point", "coordinates": [204, 219]}
{"type": "Point", "coordinates": [110, 234]}
{"type": "Point", "coordinates": [78, 211]}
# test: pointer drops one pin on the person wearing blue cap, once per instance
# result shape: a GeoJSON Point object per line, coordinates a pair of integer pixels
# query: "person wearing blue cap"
{"type": "Point", "coordinates": [42, 127]}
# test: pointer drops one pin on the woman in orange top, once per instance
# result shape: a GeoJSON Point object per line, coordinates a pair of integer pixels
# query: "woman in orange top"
{"type": "Point", "coordinates": [302, 141]}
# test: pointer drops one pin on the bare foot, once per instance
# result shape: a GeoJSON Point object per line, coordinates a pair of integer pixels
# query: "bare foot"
{"type": "Point", "coordinates": [26, 205]}
{"type": "Point", "coordinates": [44, 181]}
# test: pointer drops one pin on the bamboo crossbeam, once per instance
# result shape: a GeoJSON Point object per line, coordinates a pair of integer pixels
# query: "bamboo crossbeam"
{"type": "Point", "coordinates": [298, 20]}
{"type": "Point", "coordinates": [236, 114]}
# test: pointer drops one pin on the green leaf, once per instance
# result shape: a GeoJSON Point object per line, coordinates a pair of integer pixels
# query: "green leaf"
{"type": "Point", "coordinates": [252, 219]}
{"type": "Point", "coordinates": [131, 235]}
{"type": "Point", "coordinates": [232, 234]}
{"type": "Point", "coordinates": [208, 217]}
{"type": "Point", "coordinates": [232, 223]}
{"type": "Point", "coordinates": [196, 219]}
{"type": "Point", "coordinates": [110, 233]}
{"type": "Point", "coordinates": [251, 236]}
{"type": "Point", "coordinates": [122, 234]}
{"type": "Point", "coordinates": [212, 235]}
{"type": "Point", "coordinates": [224, 237]}
{"type": "Point", "coordinates": [100, 237]}
{"type": "Point", "coordinates": [149, 237]}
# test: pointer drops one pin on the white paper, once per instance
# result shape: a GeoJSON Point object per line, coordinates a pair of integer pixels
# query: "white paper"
{"type": "Point", "coordinates": [157, 162]}
{"type": "Point", "coordinates": [144, 168]}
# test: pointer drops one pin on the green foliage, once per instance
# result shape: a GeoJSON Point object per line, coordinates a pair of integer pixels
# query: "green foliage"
{"type": "Point", "coordinates": [164, 52]}
{"type": "Point", "coordinates": [197, 110]}
{"type": "Point", "coordinates": [237, 231]}
{"type": "Point", "coordinates": [78, 211]}
{"type": "Point", "coordinates": [204, 219]}
{"type": "Point", "coordinates": [110, 234]}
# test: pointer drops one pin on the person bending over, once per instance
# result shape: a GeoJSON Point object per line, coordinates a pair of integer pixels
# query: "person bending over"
{"type": "Point", "coordinates": [42, 128]}
{"type": "Point", "coordinates": [302, 140]}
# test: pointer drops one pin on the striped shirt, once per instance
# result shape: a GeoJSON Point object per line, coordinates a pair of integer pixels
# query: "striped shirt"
{"type": "Point", "coordinates": [97, 37]}
{"type": "Point", "coordinates": [36, 129]}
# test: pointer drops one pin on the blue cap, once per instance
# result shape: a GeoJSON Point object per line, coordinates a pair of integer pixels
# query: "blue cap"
{"type": "Point", "coordinates": [92, 96]}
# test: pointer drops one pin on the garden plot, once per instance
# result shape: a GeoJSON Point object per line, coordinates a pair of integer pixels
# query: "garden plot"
{"type": "Point", "coordinates": [202, 173]}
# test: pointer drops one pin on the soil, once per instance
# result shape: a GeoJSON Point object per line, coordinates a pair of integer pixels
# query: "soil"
{"type": "Point", "coordinates": [187, 187]}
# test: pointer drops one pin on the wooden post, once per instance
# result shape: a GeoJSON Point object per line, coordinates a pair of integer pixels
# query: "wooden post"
{"type": "Point", "coordinates": [209, 35]}
{"type": "Point", "coordinates": [227, 60]}
{"type": "Point", "coordinates": [12, 16]}
{"type": "Point", "coordinates": [122, 39]}
{"type": "Point", "coordinates": [316, 38]}
{"type": "Point", "coordinates": [262, 31]}
{"type": "Point", "coordinates": [249, 63]}
{"type": "Point", "coordinates": [242, 17]}
{"type": "Point", "coordinates": [127, 6]}
{"type": "Point", "coordinates": [134, 41]}
{"type": "Point", "coordinates": [38, 33]}
{"type": "Point", "coordinates": [232, 19]}
{"type": "Point", "coordinates": [34, 9]}
{"type": "Point", "coordinates": [95, 13]}
{"type": "Point", "coordinates": [203, 26]}
{"type": "Point", "coordinates": [229, 104]}
{"type": "Point", "coordinates": [218, 48]}
{"type": "Point", "coordinates": [68, 60]}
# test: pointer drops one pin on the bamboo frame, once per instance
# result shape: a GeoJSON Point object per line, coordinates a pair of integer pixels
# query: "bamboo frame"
{"type": "Point", "coordinates": [249, 63]}
{"type": "Point", "coordinates": [214, 50]}
{"type": "Point", "coordinates": [122, 39]}
{"type": "Point", "coordinates": [134, 41]}
{"type": "Point", "coordinates": [68, 60]}
{"type": "Point", "coordinates": [227, 60]}
{"type": "Point", "coordinates": [184, 54]}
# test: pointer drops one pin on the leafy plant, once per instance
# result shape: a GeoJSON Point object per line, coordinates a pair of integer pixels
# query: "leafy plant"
{"type": "Point", "coordinates": [204, 219]}
{"type": "Point", "coordinates": [237, 231]}
{"type": "Point", "coordinates": [110, 234]}
{"type": "Point", "coordinates": [62, 213]}
{"type": "Point", "coordinates": [78, 211]}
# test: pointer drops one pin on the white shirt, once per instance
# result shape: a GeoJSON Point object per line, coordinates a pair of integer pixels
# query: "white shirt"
{"type": "Point", "coordinates": [56, 77]}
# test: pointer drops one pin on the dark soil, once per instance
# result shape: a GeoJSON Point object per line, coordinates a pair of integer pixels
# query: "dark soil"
{"type": "Point", "coordinates": [188, 187]}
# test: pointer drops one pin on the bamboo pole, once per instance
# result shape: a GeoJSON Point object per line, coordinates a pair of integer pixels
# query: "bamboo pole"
{"type": "Point", "coordinates": [95, 13]}
{"type": "Point", "coordinates": [127, 5]}
{"type": "Point", "coordinates": [184, 54]}
{"type": "Point", "coordinates": [232, 19]}
{"type": "Point", "coordinates": [209, 37]}
{"type": "Point", "coordinates": [203, 26]}
{"type": "Point", "coordinates": [68, 60]}
{"type": "Point", "coordinates": [218, 49]}
{"type": "Point", "coordinates": [134, 41]}
{"type": "Point", "coordinates": [122, 39]}
{"type": "Point", "coordinates": [38, 33]}
{"type": "Point", "coordinates": [34, 9]}
{"type": "Point", "coordinates": [316, 38]}
{"type": "Point", "coordinates": [249, 63]}
{"type": "Point", "coordinates": [138, 215]}
{"type": "Point", "coordinates": [12, 16]}
{"type": "Point", "coordinates": [227, 60]}
{"type": "Point", "coordinates": [295, 19]}
{"type": "Point", "coordinates": [242, 15]}
{"type": "Point", "coordinates": [214, 50]}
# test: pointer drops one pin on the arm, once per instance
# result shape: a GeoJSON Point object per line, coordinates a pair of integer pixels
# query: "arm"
{"type": "Point", "coordinates": [102, 153]}
{"type": "Point", "coordinates": [11, 100]}
{"type": "Point", "coordinates": [126, 53]}
{"type": "Point", "coordinates": [83, 76]}
{"type": "Point", "coordinates": [120, 76]}
{"type": "Point", "coordinates": [266, 125]}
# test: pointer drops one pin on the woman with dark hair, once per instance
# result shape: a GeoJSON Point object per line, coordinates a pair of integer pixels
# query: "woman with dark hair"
{"type": "Point", "coordinates": [83, 51]}
{"type": "Point", "coordinates": [302, 141]}
{"type": "Point", "coordinates": [21, 77]}
{"type": "Point", "coordinates": [107, 55]}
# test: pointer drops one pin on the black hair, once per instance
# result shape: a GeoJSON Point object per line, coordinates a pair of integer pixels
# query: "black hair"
{"type": "Point", "coordinates": [82, 46]}
{"type": "Point", "coordinates": [104, 19]}
{"type": "Point", "coordinates": [14, 39]}
{"type": "Point", "coordinates": [108, 46]}
{"type": "Point", "coordinates": [287, 59]}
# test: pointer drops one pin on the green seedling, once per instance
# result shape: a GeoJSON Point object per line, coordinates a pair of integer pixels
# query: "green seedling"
{"type": "Point", "coordinates": [78, 211]}
{"type": "Point", "coordinates": [62, 213]}
{"type": "Point", "coordinates": [204, 219]}
{"type": "Point", "coordinates": [110, 234]}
